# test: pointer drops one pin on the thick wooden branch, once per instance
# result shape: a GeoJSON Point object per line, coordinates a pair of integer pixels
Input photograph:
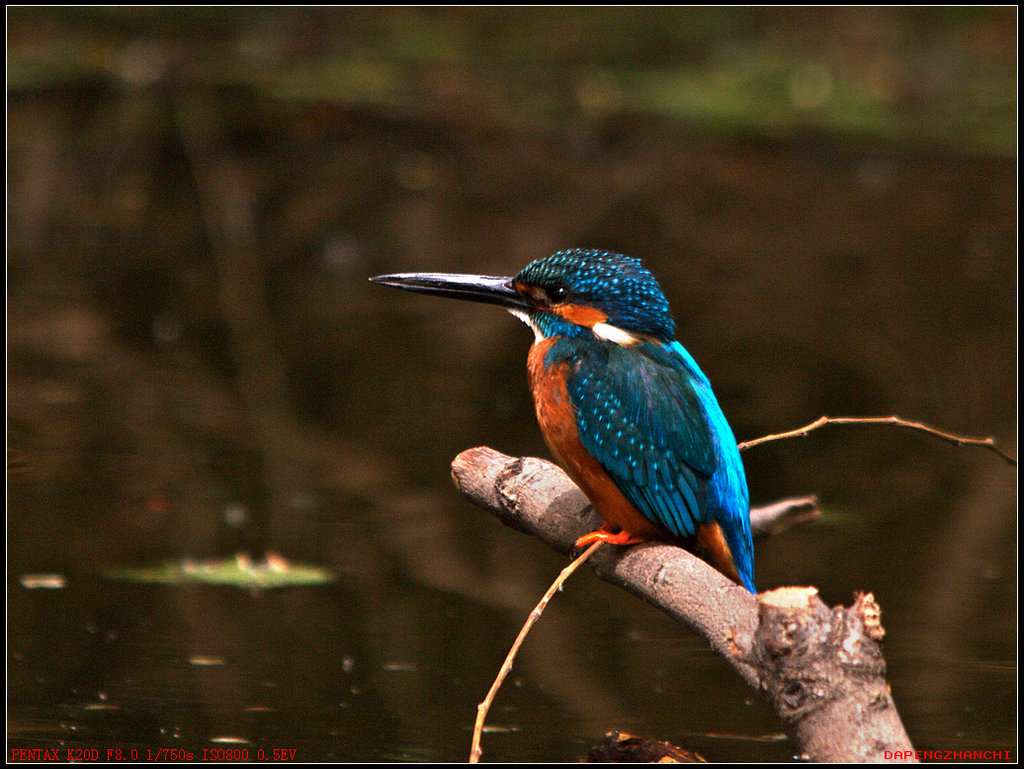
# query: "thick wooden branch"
{"type": "Point", "coordinates": [821, 669]}
{"type": "Point", "coordinates": [775, 518]}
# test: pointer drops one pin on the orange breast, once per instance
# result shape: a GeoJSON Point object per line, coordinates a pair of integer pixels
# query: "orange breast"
{"type": "Point", "coordinates": [557, 422]}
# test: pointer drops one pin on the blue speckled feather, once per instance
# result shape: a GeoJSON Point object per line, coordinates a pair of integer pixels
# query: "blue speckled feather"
{"type": "Point", "coordinates": [646, 412]}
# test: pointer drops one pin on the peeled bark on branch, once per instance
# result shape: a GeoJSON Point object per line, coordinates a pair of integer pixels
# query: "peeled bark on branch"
{"type": "Point", "coordinates": [821, 669]}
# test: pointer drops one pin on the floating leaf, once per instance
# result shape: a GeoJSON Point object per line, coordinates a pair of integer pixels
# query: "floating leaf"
{"type": "Point", "coordinates": [238, 571]}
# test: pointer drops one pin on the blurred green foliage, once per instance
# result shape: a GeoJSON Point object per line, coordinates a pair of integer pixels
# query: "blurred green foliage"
{"type": "Point", "coordinates": [941, 76]}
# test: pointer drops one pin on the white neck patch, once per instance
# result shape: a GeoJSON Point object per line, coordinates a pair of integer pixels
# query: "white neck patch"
{"type": "Point", "coordinates": [614, 334]}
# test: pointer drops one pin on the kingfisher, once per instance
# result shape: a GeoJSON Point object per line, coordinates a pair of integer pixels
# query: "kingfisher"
{"type": "Point", "coordinates": [623, 407]}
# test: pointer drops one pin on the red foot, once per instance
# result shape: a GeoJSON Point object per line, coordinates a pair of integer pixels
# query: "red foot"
{"type": "Point", "coordinates": [612, 538]}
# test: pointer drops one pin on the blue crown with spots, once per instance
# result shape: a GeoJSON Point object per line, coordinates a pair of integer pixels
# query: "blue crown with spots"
{"type": "Point", "coordinates": [618, 285]}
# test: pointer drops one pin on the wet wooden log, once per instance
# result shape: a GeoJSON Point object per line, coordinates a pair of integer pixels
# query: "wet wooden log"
{"type": "Point", "coordinates": [820, 668]}
{"type": "Point", "coordinates": [621, 748]}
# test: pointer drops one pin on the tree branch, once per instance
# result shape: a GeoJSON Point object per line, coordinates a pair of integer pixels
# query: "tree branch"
{"type": "Point", "coordinates": [777, 517]}
{"type": "Point", "coordinates": [958, 440]}
{"type": "Point", "coordinates": [821, 669]}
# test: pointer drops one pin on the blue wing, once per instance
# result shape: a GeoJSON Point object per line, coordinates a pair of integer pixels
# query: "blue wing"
{"type": "Point", "coordinates": [647, 414]}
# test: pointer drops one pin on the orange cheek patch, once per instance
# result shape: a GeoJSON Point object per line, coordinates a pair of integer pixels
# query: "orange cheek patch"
{"type": "Point", "coordinates": [581, 315]}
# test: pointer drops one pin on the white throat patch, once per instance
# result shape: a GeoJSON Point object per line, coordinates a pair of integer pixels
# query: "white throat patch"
{"type": "Point", "coordinates": [525, 318]}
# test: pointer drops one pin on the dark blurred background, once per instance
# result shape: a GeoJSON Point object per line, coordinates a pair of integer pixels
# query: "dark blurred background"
{"type": "Point", "coordinates": [197, 365]}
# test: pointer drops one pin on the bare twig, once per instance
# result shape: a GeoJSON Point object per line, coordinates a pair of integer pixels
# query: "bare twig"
{"type": "Point", "coordinates": [481, 710]}
{"type": "Point", "coordinates": [959, 440]}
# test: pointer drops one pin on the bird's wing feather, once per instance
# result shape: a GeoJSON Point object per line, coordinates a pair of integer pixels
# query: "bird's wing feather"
{"type": "Point", "coordinates": [638, 414]}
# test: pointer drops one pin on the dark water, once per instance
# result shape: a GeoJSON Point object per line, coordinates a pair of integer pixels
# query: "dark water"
{"type": "Point", "coordinates": [192, 344]}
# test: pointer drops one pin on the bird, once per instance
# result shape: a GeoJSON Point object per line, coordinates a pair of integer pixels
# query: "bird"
{"type": "Point", "coordinates": [622, 406]}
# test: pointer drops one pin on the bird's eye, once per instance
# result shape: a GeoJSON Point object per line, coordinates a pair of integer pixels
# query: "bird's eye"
{"type": "Point", "coordinates": [558, 293]}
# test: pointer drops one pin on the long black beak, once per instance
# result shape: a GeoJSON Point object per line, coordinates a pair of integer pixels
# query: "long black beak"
{"type": "Point", "coordinates": [474, 288]}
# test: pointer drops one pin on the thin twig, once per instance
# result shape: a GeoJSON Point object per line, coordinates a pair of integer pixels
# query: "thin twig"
{"type": "Point", "coordinates": [959, 440]}
{"type": "Point", "coordinates": [481, 710]}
